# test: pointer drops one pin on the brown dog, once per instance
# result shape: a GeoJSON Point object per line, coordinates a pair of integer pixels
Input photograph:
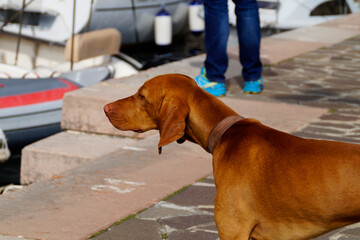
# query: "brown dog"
{"type": "Point", "coordinates": [270, 185]}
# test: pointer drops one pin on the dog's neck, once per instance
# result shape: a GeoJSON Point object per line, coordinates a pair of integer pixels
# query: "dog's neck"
{"type": "Point", "coordinates": [219, 129]}
{"type": "Point", "coordinates": [205, 114]}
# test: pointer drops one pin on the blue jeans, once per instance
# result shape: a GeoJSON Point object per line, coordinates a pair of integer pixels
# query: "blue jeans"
{"type": "Point", "coordinates": [217, 33]}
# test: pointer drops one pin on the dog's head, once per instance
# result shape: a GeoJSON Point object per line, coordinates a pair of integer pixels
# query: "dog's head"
{"type": "Point", "coordinates": [161, 103]}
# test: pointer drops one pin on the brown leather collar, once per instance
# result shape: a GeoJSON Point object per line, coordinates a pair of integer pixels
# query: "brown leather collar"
{"type": "Point", "coordinates": [219, 129]}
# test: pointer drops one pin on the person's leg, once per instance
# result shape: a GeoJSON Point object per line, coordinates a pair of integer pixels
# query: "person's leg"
{"type": "Point", "coordinates": [249, 35]}
{"type": "Point", "coordinates": [216, 37]}
{"type": "Point", "coordinates": [212, 76]}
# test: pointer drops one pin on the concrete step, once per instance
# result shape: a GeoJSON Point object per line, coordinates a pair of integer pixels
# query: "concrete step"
{"type": "Point", "coordinates": [50, 157]}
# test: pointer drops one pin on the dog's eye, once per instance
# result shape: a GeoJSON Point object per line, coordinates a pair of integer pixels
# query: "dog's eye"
{"type": "Point", "coordinates": [142, 96]}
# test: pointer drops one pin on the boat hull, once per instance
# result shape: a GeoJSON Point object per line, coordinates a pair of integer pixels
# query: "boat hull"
{"type": "Point", "coordinates": [30, 109]}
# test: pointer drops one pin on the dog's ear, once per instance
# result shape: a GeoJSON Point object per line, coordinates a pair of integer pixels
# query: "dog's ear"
{"type": "Point", "coordinates": [171, 121]}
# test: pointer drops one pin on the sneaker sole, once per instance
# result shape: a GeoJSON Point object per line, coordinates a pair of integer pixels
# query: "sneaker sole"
{"type": "Point", "coordinates": [216, 92]}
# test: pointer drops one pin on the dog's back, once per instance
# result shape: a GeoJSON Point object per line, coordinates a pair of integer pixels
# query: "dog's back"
{"type": "Point", "coordinates": [294, 187]}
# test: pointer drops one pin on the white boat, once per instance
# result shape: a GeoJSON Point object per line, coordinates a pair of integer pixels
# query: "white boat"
{"type": "Point", "coordinates": [289, 14]}
{"type": "Point", "coordinates": [52, 20]}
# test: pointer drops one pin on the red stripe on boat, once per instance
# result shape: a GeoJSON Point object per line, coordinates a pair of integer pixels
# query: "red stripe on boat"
{"type": "Point", "coordinates": [37, 97]}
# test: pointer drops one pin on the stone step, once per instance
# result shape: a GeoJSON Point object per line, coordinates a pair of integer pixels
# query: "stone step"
{"type": "Point", "coordinates": [50, 157]}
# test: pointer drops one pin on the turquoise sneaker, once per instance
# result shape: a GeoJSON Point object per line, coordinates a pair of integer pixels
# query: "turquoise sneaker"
{"type": "Point", "coordinates": [215, 88]}
{"type": "Point", "coordinates": [254, 87]}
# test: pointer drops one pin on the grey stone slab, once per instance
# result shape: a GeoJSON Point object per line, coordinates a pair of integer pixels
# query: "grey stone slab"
{"type": "Point", "coordinates": [194, 196]}
{"type": "Point", "coordinates": [326, 137]}
{"type": "Point", "coordinates": [339, 117]}
{"type": "Point", "coordinates": [133, 229]}
{"type": "Point", "coordinates": [351, 232]}
{"type": "Point", "coordinates": [184, 222]}
{"type": "Point", "coordinates": [162, 212]}
{"type": "Point", "coordinates": [192, 236]}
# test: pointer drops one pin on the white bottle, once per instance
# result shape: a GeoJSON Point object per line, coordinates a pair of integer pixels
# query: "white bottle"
{"type": "Point", "coordinates": [163, 28]}
{"type": "Point", "coordinates": [196, 22]}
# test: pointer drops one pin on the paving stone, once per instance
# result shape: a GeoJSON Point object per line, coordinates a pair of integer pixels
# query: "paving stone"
{"type": "Point", "coordinates": [347, 237]}
{"type": "Point", "coordinates": [209, 180]}
{"type": "Point", "coordinates": [194, 196]}
{"type": "Point", "coordinates": [316, 90]}
{"type": "Point", "coordinates": [338, 117]}
{"type": "Point", "coordinates": [334, 125]}
{"type": "Point", "coordinates": [326, 137]}
{"type": "Point", "coordinates": [184, 222]}
{"type": "Point", "coordinates": [211, 227]}
{"type": "Point", "coordinates": [348, 111]}
{"type": "Point", "coordinates": [278, 87]}
{"type": "Point", "coordinates": [353, 231]}
{"type": "Point", "coordinates": [318, 130]}
{"type": "Point", "coordinates": [192, 236]}
{"type": "Point", "coordinates": [342, 81]}
{"type": "Point", "coordinates": [351, 101]}
{"type": "Point", "coordinates": [132, 229]}
{"type": "Point", "coordinates": [297, 98]}
{"type": "Point", "coordinates": [162, 212]}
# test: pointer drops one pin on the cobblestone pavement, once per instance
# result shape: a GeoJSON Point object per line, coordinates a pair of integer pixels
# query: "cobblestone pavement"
{"type": "Point", "coordinates": [327, 78]}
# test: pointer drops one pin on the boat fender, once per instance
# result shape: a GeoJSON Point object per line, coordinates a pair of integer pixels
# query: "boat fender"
{"type": "Point", "coordinates": [163, 28]}
{"type": "Point", "coordinates": [4, 149]}
{"type": "Point", "coordinates": [196, 18]}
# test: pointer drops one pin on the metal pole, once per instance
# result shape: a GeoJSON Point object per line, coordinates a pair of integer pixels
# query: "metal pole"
{"type": "Point", "coordinates": [135, 22]}
{"type": "Point", "coordinates": [72, 38]}
{"type": "Point", "coordinates": [19, 35]}
{"type": "Point", "coordinates": [91, 9]}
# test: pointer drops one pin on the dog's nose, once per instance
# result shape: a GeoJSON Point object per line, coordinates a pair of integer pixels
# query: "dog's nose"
{"type": "Point", "coordinates": [107, 109]}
